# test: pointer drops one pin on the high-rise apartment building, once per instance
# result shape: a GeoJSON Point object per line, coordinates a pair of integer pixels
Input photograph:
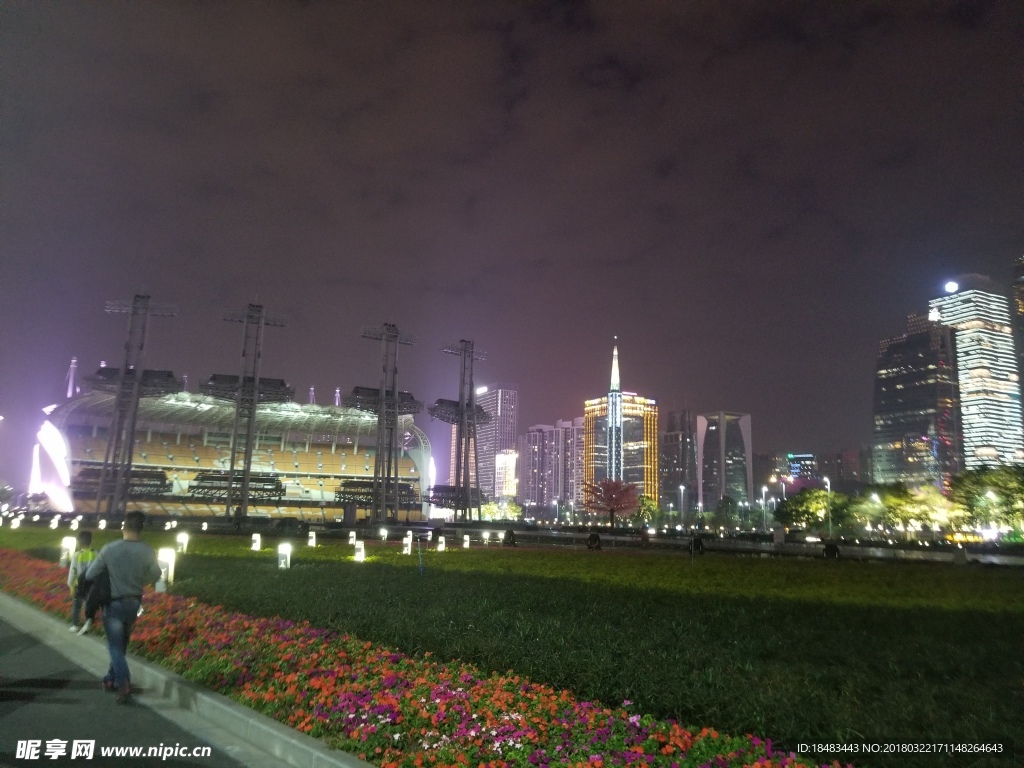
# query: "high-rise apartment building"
{"type": "Point", "coordinates": [986, 370]}
{"type": "Point", "coordinates": [494, 437]}
{"type": "Point", "coordinates": [724, 459]}
{"type": "Point", "coordinates": [552, 472]}
{"type": "Point", "coordinates": [917, 439]}
{"type": "Point", "coordinates": [620, 437]}
{"type": "Point", "coordinates": [532, 486]}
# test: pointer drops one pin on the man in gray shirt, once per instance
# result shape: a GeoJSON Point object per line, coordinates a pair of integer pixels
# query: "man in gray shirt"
{"type": "Point", "coordinates": [130, 564]}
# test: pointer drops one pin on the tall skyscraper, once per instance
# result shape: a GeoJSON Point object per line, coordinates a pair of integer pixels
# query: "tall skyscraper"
{"type": "Point", "coordinates": [1018, 312]}
{"type": "Point", "coordinates": [986, 370]}
{"type": "Point", "coordinates": [917, 437]}
{"type": "Point", "coordinates": [620, 437]}
{"type": "Point", "coordinates": [724, 459]}
{"type": "Point", "coordinates": [678, 462]}
{"type": "Point", "coordinates": [498, 435]}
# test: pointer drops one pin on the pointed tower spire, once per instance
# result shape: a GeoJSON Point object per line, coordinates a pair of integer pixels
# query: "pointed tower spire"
{"type": "Point", "coordinates": [615, 368]}
{"type": "Point", "coordinates": [312, 395]}
{"type": "Point", "coordinates": [73, 378]}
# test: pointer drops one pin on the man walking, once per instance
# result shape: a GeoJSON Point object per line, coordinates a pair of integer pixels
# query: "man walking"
{"type": "Point", "coordinates": [130, 564]}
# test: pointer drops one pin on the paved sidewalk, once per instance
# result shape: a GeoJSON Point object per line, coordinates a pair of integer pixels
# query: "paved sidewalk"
{"type": "Point", "coordinates": [45, 696]}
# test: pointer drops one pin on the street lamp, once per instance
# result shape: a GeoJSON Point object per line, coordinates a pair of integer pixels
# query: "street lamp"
{"type": "Point", "coordinates": [828, 487]}
{"type": "Point", "coordinates": [682, 504]}
{"type": "Point", "coordinates": [764, 507]}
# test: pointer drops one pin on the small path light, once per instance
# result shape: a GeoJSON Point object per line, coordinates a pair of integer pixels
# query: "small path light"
{"type": "Point", "coordinates": [256, 542]}
{"type": "Point", "coordinates": [487, 536]}
{"type": "Point", "coordinates": [312, 539]}
{"type": "Point", "coordinates": [284, 555]}
{"type": "Point", "coordinates": [383, 534]}
{"type": "Point", "coordinates": [182, 539]}
{"type": "Point", "coordinates": [465, 541]}
{"type": "Point", "coordinates": [54, 523]}
{"type": "Point", "coordinates": [360, 552]}
{"type": "Point", "coordinates": [103, 525]}
{"type": "Point", "coordinates": [167, 526]}
{"type": "Point", "coordinates": [430, 535]}
{"type": "Point", "coordinates": [407, 543]}
{"type": "Point", "coordinates": [74, 525]}
{"type": "Point", "coordinates": [352, 538]}
{"type": "Point", "coordinates": [16, 522]}
{"type": "Point", "coordinates": [205, 526]}
{"type": "Point", "coordinates": [440, 543]}
{"type": "Point", "coordinates": [165, 559]}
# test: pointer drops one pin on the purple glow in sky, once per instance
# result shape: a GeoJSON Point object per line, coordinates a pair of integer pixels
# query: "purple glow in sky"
{"type": "Point", "coordinates": [749, 194]}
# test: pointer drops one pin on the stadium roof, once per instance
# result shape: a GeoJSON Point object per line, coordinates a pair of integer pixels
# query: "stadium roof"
{"type": "Point", "coordinates": [188, 409]}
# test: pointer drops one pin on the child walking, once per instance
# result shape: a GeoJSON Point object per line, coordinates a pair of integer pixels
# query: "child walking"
{"type": "Point", "coordinates": [84, 555]}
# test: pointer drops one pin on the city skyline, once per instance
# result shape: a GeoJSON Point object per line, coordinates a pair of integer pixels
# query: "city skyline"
{"type": "Point", "coordinates": [749, 199]}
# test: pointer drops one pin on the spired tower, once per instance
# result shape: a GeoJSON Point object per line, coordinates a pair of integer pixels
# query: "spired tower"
{"type": "Point", "coordinates": [620, 437]}
{"type": "Point", "coordinates": [615, 420]}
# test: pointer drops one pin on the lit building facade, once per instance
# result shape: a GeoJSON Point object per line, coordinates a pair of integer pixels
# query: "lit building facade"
{"type": "Point", "coordinates": [917, 439]}
{"type": "Point", "coordinates": [498, 435]}
{"type": "Point", "coordinates": [626, 423]}
{"type": "Point", "coordinates": [1018, 311]}
{"type": "Point", "coordinates": [553, 473]}
{"type": "Point", "coordinates": [532, 489]}
{"type": "Point", "coordinates": [803, 465]}
{"type": "Point", "coordinates": [987, 375]}
{"type": "Point", "coordinates": [724, 459]}
{"type": "Point", "coordinates": [495, 437]}
{"type": "Point", "coordinates": [506, 478]}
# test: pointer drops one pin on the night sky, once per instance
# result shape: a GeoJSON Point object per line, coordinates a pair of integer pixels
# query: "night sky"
{"type": "Point", "coordinates": [748, 194]}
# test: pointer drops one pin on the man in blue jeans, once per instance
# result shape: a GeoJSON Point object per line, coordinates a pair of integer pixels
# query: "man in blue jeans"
{"type": "Point", "coordinates": [131, 564]}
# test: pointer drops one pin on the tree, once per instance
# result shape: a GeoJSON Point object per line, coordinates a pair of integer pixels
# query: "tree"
{"type": "Point", "coordinates": [647, 511]}
{"type": "Point", "coordinates": [726, 513]}
{"type": "Point", "coordinates": [613, 497]}
{"type": "Point", "coordinates": [814, 508]}
{"type": "Point", "coordinates": [502, 509]}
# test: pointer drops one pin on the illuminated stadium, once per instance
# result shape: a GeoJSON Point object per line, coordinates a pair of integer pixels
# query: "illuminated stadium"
{"type": "Point", "coordinates": [309, 462]}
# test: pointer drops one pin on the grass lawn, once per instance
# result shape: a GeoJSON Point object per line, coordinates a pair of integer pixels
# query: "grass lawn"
{"type": "Point", "coordinates": [802, 651]}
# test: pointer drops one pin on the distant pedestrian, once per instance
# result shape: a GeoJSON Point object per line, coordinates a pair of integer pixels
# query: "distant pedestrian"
{"type": "Point", "coordinates": [130, 564]}
{"type": "Point", "coordinates": [84, 555]}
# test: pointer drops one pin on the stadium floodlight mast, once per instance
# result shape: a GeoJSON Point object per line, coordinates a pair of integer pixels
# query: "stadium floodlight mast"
{"type": "Point", "coordinates": [247, 399]}
{"type": "Point", "coordinates": [388, 403]}
{"type": "Point", "coordinates": [465, 415]}
{"type": "Point", "coordinates": [117, 460]}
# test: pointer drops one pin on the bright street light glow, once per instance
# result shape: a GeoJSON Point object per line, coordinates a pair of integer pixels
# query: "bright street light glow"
{"type": "Point", "coordinates": [952, 287]}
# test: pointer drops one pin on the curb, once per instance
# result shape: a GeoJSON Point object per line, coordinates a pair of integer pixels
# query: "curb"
{"type": "Point", "coordinates": [174, 692]}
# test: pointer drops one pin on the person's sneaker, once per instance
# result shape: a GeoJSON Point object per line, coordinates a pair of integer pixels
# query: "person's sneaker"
{"type": "Point", "coordinates": [124, 695]}
{"type": "Point", "coordinates": [108, 686]}
{"type": "Point", "coordinates": [73, 628]}
{"type": "Point", "coordinates": [85, 627]}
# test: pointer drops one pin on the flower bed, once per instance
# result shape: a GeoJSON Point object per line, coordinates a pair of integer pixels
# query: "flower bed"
{"type": "Point", "coordinates": [389, 708]}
